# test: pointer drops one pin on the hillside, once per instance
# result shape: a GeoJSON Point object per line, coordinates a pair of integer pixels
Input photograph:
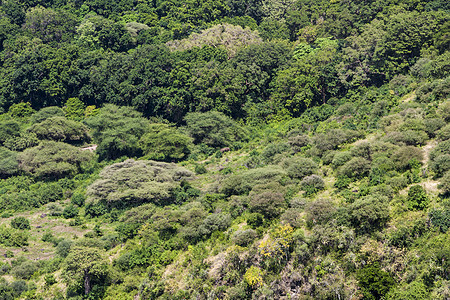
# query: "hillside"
{"type": "Point", "coordinates": [224, 149]}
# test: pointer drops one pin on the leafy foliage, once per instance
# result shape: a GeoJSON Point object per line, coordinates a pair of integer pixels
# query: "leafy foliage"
{"type": "Point", "coordinates": [52, 160]}
{"type": "Point", "coordinates": [133, 182]}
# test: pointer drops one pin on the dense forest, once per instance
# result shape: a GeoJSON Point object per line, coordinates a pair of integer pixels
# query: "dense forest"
{"type": "Point", "coordinates": [224, 149]}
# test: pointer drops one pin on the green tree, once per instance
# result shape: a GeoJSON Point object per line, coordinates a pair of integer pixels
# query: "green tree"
{"type": "Point", "coordinates": [61, 129]}
{"type": "Point", "coordinates": [375, 283]}
{"type": "Point", "coordinates": [369, 213]}
{"type": "Point", "coordinates": [8, 163]}
{"type": "Point", "coordinates": [84, 266]}
{"type": "Point", "coordinates": [46, 113]}
{"type": "Point", "coordinates": [214, 129]}
{"type": "Point", "coordinates": [74, 109]}
{"type": "Point", "coordinates": [21, 223]}
{"type": "Point", "coordinates": [117, 131]}
{"type": "Point", "coordinates": [132, 183]}
{"type": "Point", "coordinates": [53, 160]}
{"type": "Point", "coordinates": [166, 143]}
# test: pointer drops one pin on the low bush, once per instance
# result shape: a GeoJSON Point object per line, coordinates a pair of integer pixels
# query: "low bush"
{"type": "Point", "coordinates": [417, 198]}
{"type": "Point", "coordinates": [340, 158]}
{"type": "Point", "coordinates": [25, 270]}
{"type": "Point", "coordinates": [405, 156]}
{"type": "Point", "coordinates": [299, 167]}
{"type": "Point", "coordinates": [369, 213]}
{"type": "Point", "coordinates": [440, 164]}
{"type": "Point", "coordinates": [312, 184]}
{"type": "Point", "coordinates": [13, 237]}
{"type": "Point", "coordinates": [70, 212]}
{"type": "Point", "coordinates": [270, 204]}
{"type": "Point", "coordinates": [21, 223]}
{"type": "Point", "coordinates": [357, 167]}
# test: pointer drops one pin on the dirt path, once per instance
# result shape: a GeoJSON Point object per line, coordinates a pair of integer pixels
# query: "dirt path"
{"type": "Point", "coordinates": [426, 151]}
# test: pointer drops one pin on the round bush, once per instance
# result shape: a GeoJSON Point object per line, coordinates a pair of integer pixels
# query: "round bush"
{"type": "Point", "coordinates": [70, 212]}
{"type": "Point", "coordinates": [244, 237]}
{"type": "Point", "coordinates": [445, 183]}
{"type": "Point", "coordinates": [405, 155]}
{"type": "Point", "coordinates": [312, 184]}
{"type": "Point", "coordinates": [299, 167]}
{"type": "Point", "coordinates": [340, 159]}
{"type": "Point", "coordinates": [440, 164]}
{"type": "Point", "coordinates": [78, 199]}
{"type": "Point", "coordinates": [20, 223]}
{"type": "Point", "coordinates": [357, 167]}
{"type": "Point", "coordinates": [444, 133]}
{"type": "Point", "coordinates": [270, 204]}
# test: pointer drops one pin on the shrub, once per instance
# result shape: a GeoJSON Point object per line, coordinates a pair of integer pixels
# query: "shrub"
{"type": "Point", "coordinates": [319, 212]}
{"type": "Point", "coordinates": [255, 220]}
{"type": "Point", "coordinates": [50, 192]}
{"type": "Point", "coordinates": [292, 217]}
{"type": "Point", "coordinates": [408, 137]}
{"type": "Point", "coordinates": [50, 279]}
{"type": "Point", "coordinates": [416, 290]}
{"type": "Point", "coordinates": [441, 149]}
{"type": "Point", "coordinates": [398, 183]}
{"type": "Point", "coordinates": [200, 169]}
{"type": "Point", "coordinates": [25, 270]}
{"type": "Point", "coordinates": [434, 124]}
{"type": "Point", "coordinates": [63, 248]}
{"type": "Point", "coordinates": [271, 150]}
{"type": "Point", "coordinates": [13, 237]}
{"type": "Point", "coordinates": [340, 158]}
{"type": "Point", "coordinates": [162, 142]}
{"type": "Point", "coordinates": [270, 204]}
{"type": "Point", "coordinates": [78, 199]}
{"type": "Point", "coordinates": [214, 129]}
{"type": "Point", "coordinates": [50, 238]}
{"type": "Point", "coordinates": [440, 164]}
{"type": "Point", "coordinates": [357, 167]}
{"type": "Point", "coordinates": [117, 131]}
{"type": "Point", "coordinates": [46, 113]}
{"type": "Point", "coordinates": [444, 133]}
{"type": "Point", "coordinates": [440, 218]}
{"type": "Point", "coordinates": [374, 282]}
{"type": "Point", "coordinates": [445, 184]}
{"type": "Point", "coordinates": [70, 212]}
{"type": "Point", "coordinates": [253, 277]}
{"type": "Point", "coordinates": [369, 213]}
{"type": "Point", "coordinates": [21, 110]}
{"type": "Point", "coordinates": [297, 142]}
{"type": "Point", "coordinates": [214, 222]}
{"type": "Point", "coordinates": [312, 184]}
{"type": "Point", "coordinates": [52, 160]}
{"type": "Point", "coordinates": [74, 109]}
{"type": "Point", "coordinates": [342, 182]}
{"type": "Point", "coordinates": [417, 198]}
{"type": "Point", "coordinates": [21, 223]}
{"type": "Point", "coordinates": [299, 167]}
{"type": "Point", "coordinates": [132, 183]}
{"type": "Point", "coordinates": [242, 183]}
{"type": "Point", "coordinates": [404, 156]}
{"type": "Point", "coordinates": [334, 138]}
{"type": "Point", "coordinates": [127, 230]}
{"type": "Point", "coordinates": [9, 165]}
{"type": "Point", "coordinates": [61, 129]}
{"type": "Point", "coordinates": [22, 141]}
{"type": "Point", "coordinates": [8, 129]}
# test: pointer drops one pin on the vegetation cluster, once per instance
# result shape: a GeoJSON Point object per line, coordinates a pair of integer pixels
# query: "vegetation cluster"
{"type": "Point", "coordinates": [251, 149]}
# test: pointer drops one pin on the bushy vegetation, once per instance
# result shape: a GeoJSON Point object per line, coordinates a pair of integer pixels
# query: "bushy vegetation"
{"type": "Point", "coordinates": [224, 149]}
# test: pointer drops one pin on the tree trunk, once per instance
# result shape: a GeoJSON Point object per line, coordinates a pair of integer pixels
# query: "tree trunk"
{"type": "Point", "coordinates": [87, 283]}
